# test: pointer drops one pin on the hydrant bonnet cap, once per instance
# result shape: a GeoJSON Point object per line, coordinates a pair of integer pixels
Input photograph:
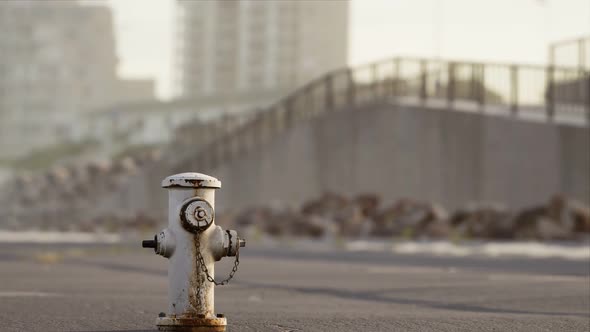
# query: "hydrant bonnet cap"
{"type": "Point", "coordinates": [191, 180]}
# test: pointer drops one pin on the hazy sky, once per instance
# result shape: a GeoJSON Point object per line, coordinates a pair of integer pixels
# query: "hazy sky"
{"type": "Point", "coordinates": [493, 30]}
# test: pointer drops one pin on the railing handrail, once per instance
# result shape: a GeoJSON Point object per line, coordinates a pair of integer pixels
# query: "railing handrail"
{"type": "Point", "coordinates": [281, 115]}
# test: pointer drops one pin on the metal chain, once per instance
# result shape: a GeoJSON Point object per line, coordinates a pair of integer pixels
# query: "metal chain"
{"type": "Point", "coordinates": [203, 267]}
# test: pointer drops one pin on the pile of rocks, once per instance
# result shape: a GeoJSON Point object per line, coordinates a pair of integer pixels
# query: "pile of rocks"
{"type": "Point", "coordinates": [44, 200]}
{"type": "Point", "coordinates": [63, 195]}
{"type": "Point", "coordinates": [361, 216]}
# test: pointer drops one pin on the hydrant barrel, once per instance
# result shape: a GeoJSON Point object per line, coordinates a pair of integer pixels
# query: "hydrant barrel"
{"type": "Point", "coordinates": [188, 288]}
{"type": "Point", "coordinates": [193, 243]}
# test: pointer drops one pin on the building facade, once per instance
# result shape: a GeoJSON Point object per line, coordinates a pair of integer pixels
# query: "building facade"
{"type": "Point", "coordinates": [57, 61]}
{"type": "Point", "coordinates": [250, 47]}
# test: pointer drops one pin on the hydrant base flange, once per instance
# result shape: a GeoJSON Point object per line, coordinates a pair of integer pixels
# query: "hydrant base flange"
{"type": "Point", "coordinates": [192, 324]}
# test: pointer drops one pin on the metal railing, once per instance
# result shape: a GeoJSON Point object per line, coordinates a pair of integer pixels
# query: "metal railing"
{"type": "Point", "coordinates": [509, 89]}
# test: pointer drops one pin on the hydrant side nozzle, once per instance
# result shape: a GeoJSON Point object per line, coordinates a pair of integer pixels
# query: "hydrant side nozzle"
{"type": "Point", "coordinates": [232, 243]}
{"type": "Point", "coordinates": [150, 243]}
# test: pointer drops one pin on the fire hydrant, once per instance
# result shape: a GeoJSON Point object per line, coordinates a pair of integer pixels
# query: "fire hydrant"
{"type": "Point", "coordinates": [193, 243]}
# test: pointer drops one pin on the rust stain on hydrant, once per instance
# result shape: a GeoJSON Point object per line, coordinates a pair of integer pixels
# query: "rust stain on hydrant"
{"type": "Point", "coordinates": [193, 243]}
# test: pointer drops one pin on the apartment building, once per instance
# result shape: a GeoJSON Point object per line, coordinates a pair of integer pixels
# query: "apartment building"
{"type": "Point", "coordinates": [57, 62]}
{"type": "Point", "coordinates": [264, 48]}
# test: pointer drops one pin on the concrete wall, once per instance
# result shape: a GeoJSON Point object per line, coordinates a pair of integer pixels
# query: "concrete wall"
{"type": "Point", "coordinates": [448, 157]}
{"type": "Point", "coordinates": [443, 156]}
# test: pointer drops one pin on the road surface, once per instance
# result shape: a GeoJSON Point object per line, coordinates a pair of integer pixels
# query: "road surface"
{"type": "Point", "coordinates": [295, 288]}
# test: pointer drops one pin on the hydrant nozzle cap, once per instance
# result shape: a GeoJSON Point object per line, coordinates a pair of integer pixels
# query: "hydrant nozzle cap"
{"type": "Point", "coordinates": [191, 180]}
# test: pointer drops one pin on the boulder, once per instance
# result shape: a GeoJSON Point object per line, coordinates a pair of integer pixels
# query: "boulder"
{"type": "Point", "coordinates": [559, 219]}
{"type": "Point", "coordinates": [349, 220]}
{"type": "Point", "coordinates": [483, 220]}
{"type": "Point", "coordinates": [548, 229]}
{"type": "Point", "coordinates": [410, 218]}
{"type": "Point", "coordinates": [580, 215]}
{"type": "Point", "coordinates": [328, 204]}
{"type": "Point", "coordinates": [368, 204]}
{"type": "Point", "coordinates": [307, 226]}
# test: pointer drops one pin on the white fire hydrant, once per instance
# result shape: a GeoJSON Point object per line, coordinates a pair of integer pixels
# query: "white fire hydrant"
{"type": "Point", "coordinates": [193, 243]}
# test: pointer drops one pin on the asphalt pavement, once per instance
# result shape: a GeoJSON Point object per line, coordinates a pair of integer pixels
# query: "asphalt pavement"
{"type": "Point", "coordinates": [295, 288]}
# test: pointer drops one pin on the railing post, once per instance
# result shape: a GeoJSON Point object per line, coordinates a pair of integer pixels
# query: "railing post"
{"type": "Point", "coordinates": [279, 115]}
{"type": "Point", "coordinates": [473, 83]}
{"type": "Point", "coordinates": [262, 135]}
{"type": "Point", "coordinates": [395, 78]}
{"type": "Point", "coordinates": [272, 119]}
{"type": "Point", "coordinates": [216, 130]}
{"type": "Point", "coordinates": [234, 142]}
{"type": "Point", "coordinates": [226, 123]}
{"type": "Point", "coordinates": [230, 150]}
{"type": "Point", "coordinates": [451, 85]}
{"type": "Point", "coordinates": [288, 112]}
{"type": "Point", "coordinates": [308, 101]}
{"type": "Point", "coordinates": [240, 141]}
{"type": "Point", "coordinates": [250, 136]}
{"type": "Point", "coordinates": [374, 81]}
{"type": "Point", "coordinates": [329, 92]}
{"type": "Point", "coordinates": [482, 86]}
{"type": "Point", "coordinates": [259, 130]}
{"type": "Point", "coordinates": [223, 151]}
{"type": "Point", "coordinates": [550, 103]}
{"type": "Point", "coordinates": [423, 81]}
{"type": "Point", "coordinates": [351, 88]}
{"type": "Point", "coordinates": [582, 54]}
{"type": "Point", "coordinates": [243, 141]}
{"type": "Point", "coordinates": [268, 123]}
{"type": "Point", "coordinates": [588, 100]}
{"type": "Point", "coordinates": [514, 89]}
{"type": "Point", "coordinates": [205, 129]}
